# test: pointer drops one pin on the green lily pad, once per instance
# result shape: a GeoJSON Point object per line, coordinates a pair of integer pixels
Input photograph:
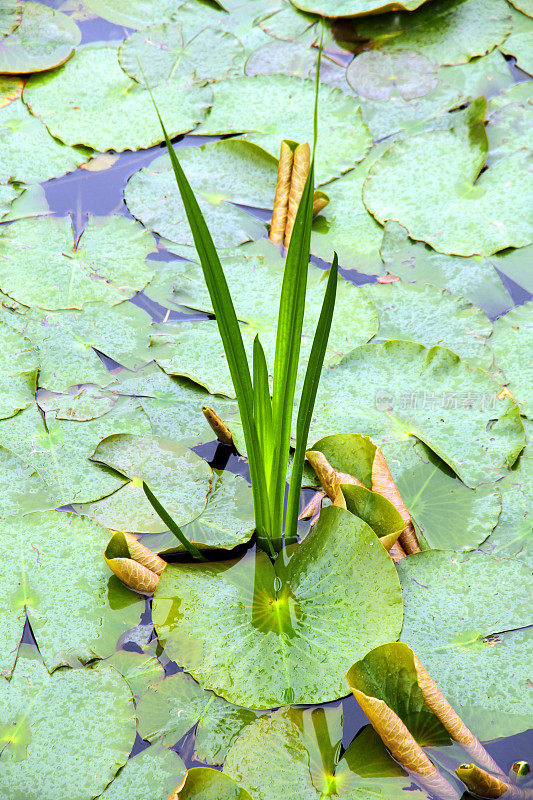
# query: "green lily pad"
{"type": "Point", "coordinates": [352, 8]}
{"type": "Point", "coordinates": [513, 535]}
{"type": "Point", "coordinates": [173, 706]}
{"type": "Point", "coordinates": [475, 278]}
{"type": "Point", "coordinates": [431, 184]}
{"type": "Point", "coordinates": [515, 264]}
{"type": "Point", "coordinates": [135, 13]}
{"type": "Point", "coordinates": [140, 670]}
{"type": "Point", "coordinates": [43, 39]}
{"type": "Point", "coordinates": [394, 390]}
{"type": "Point", "coordinates": [333, 229]}
{"type": "Point", "coordinates": [179, 478]}
{"type": "Point", "coordinates": [423, 314]}
{"type": "Point", "coordinates": [19, 362]}
{"type": "Point", "coordinates": [447, 514]}
{"type": "Point", "coordinates": [511, 343]}
{"type": "Point", "coordinates": [526, 6]}
{"type": "Point", "coordinates": [10, 14]}
{"type": "Point", "coordinates": [251, 106]}
{"type": "Point", "coordinates": [511, 121]}
{"type": "Point", "coordinates": [106, 263]}
{"type": "Point", "coordinates": [154, 772]}
{"type": "Point", "coordinates": [7, 195]}
{"type": "Point", "coordinates": [271, 641]}
{"type": "Point", "coordinates": [519, 43]}
{"type": "Point", "coordinates": [23, 490]}
{"type": "Point", "coordinates": [194, 349]}
{"type": "Point", "coordinates": [79, 403]}
{"type": "Point", "coordinates": [288, 24]}
{"type": "Point", "coordinates": [445, 32]}
{"type": "Point", "coordinates": [163, 53]}
{"type": "Point", "coordinates": [305, 744]}
{"type": "Point", "coordinates": [173, 405]}
{"type": "Point", "coordinates": [453, 606]}
{"type": "Point", "coordinates": [202, 783]}
{"type": "Point", "coordinates": [69, 342]}
{"type": "Point", "coordinates": [295, 58]}
{"type": "Point", "coordinates": [59, 450]}
{"type": "Point", "coordinates": [87, 714]}
{"type": "Point", "coordinates": [377, 74]}
{"type": "Point", "coordinates": [53, 572]}
{"type": "Point", "coordinates": [221, 174]}
{"type": "Point", "coordinates": [91, 101]}
{"type": "Point", "coordinates": [31, 154]}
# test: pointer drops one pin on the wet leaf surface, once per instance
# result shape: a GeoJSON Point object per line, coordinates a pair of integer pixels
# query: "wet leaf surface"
{"type": "Point", "coordinates": [520, 41]}
{"type": "Point", "coordinates": [154, 772]}
{"type": "Point", "coordinates": [511, 343]}
{"type": "Point", "coordinates": [19, 362]}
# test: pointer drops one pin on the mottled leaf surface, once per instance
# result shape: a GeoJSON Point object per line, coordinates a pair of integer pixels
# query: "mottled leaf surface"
{"type": "Point", "coordinates": [19, 362]}
{"type": "Point", "coordinates": [512, 345]}
{"type": "Point", "coordinates": [519, 43]}
{"type": "Point", "coordinates": [43, 39]}
{"type": "Point", "coordinates": [153, 773]}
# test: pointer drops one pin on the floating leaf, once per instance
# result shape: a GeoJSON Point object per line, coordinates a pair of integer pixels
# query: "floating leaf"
{"type": "Point", "coordinates": [59, 450]}
{"type": "Point", "coordinates": [526, 6]}
{"type": "Point", "coordinates": [87, 713]}
{"type": "Point", "coordinates": [91, 101]}
{"type": "Point", "coordinates": [453, 606]}
{"type": "Point", "coordinates": [295, 58]}
{"type": "Point", "coordinates": [135, 13]}
{"type": "Point", "coordinates": [510, 116]}
{"type": "Point", "coordinates": [388, 392]}
{"type": "Point", "coordinates": [19, 362]}
{"type": "Point", "coordinates": [222, 175]}
{"type": "Point", "coordinates": [251, 106]}
{"type": "Point", "coordinates": [23, 490]}
{"type": "Point", "coordinates": [422, 314]}
{"type": "Point", "coordinates": [133, 563]}
{"type": "Point", "coordinates": [178, 477]}
{"type": "Point", "coordinates": [106, 263]}
{"type": "Point", "coordinates": [305, 745]}
{"type": "Point", "coordinates": [474, 278]}
{"type": "Point", "coordinates": [520, 41]}
{"type": "Point", "coordinates": [266, 615]}
{"type": "Point", "coordinates": [43, 39]}
{"type": "Point", "coordinates": [164, 53]}
{"type": "Point", "coordinates": [202, 783]}
{"type": "Point", "coordinates": [10, 14]}
{"type": "Point", "coordinates": [140, 670]}
{"type": "Point", "coordinates": [376, 75]}
{"type": "Point", "coordinates": [511, 343]}
{"type": "Point", "coordinates": [173, 706]}
{"type": "Point", "coordinates": [351, 8]}
{"type": "Point", "coordinates": [53, 572]}
{"type": "Point", "coordinates": [431, 184]}
{"type": "Point", "coordinates": [154, 772]}
{"type": "Point", "coordinates": [70, 342]}
{"type": "Point", "coordinates": [445, 32]}
{"type": "Point", "coordinates": [79, 403]}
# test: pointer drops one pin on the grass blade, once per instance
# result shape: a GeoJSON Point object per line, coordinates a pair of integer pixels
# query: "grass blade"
{"type": "Point", "coordinates": [171, 525]}
{"type": "Point", "coordinates": [262, 404]}
{"type": "Point", "coordinates": [307, 400]}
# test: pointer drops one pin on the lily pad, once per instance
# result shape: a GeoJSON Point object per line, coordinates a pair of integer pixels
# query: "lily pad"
{"type": "Point", "coordinates": [431, 184]}
{"type": "Point", "coordinates": [376, 75]}
{"type": "Point", "coordinates": [135, 13]}
{"type": "Point", "coordinates": [445, 32]}
{"type": "Point", "coordinates": [194, 349]}
{"type": "Point", "coordinates": [259, 648]}
{"type": "Point", "coordinates": [140, 670]}
{"type": "Point", "coordinates": [19, 362]}
{"type": "Point", "coordinates": [202, 783]}
{"type": "Point", "coordinates": [295, 58]}
{"type": "Point", "coordinates": [31, 154]}
{"type": "Point", "coordinates": [23, 490]}
{"type": "Point", "coordinates": [423, 314]}
{"type": "Point", "coordinates": [59, 450]}
{"type": "Point", "coordinates": [251, 106]}
{"type": "Point", "coordinates": [222, 174]}
{"type": "Point", "coordinates": [53, 572]}
{"type": "Point", "coordinates": [294, 754]}
{"type": "Point", "coordinates": [43, 39]}
{"type": "Point", "coordinates": [519, 43]}
{"type": "Point", "coordinates": [512, 343]}
{"type": "Point", "coordinates": [90, 100]}
{"type": "Point", "coordinates": [69, 343]}
{"type": "Point", "coordinates": [352, 8]}
{"type": "Point", "coordinates": [86, 714]}
{"type": "Point", "coordinates": [163, 53]}
{"type": "Point", "coordinates": [448, 515]}
{"type": "Point", "coordinates": [153, 773]}
{"type": "Point", "coordinates": [394, 390]}
{"type": "Point", "coordinates": [7, 195]}
{"type": "Point", "coordinates": [79, 403]}
{"type": "Point", "coordinates": [345, 226]}
{"type": "Point", "coordinates": [511, 121]}
{"type": "Point", "coordinates": [175, 705]}
{"type": "Point", "coordinates": [474, 278]}
{"type": "Point", "coordinates": [454, 606]}
{"type": "Point", "coordinates": [179, 478]}
{"type": "Point", "coordinates": [10, 14]}
{"type": "Point", "coordinates": [106, 263]}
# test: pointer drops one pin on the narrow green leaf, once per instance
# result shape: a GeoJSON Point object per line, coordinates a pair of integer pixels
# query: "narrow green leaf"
{"type": "Point", "coordinates": [172, 526]}
{"type": "Point", "coordinates": [262, 404]}
{"type": "Point", "coordinates": [307, 400]}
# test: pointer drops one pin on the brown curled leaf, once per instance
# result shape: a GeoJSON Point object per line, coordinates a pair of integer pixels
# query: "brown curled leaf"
{"type": "Point", "coordinates": [383, 482]}
{"type": "Point", "coordinates": [397, 552]}
{"type": "Point", "coordinates": [133, 563]}
{"type": "Point", "coordinates": [134, 575]}
{"type": "Point", "coordinates": [281, 198]}
{"type": "Point", "coordinates": [300, 171]}
{"type": "Point", "coordinates": [313, 506]}
{"type": "Point", "coordinates": [329, 478]}
{"type": "Point", "coordinates": [320, 201]}
{"type": "Point", "coordinates": [219, 427]}
{"type": "Point", "coordinates": [480, 782]}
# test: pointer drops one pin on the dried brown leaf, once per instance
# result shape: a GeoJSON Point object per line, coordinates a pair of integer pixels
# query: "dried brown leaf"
{"type": "Point", "coordinates": [383, 483]}
{"type": "Point", "coordinates": [281, 198]}
{"type": "Point", "coordinates": [300, 171]}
